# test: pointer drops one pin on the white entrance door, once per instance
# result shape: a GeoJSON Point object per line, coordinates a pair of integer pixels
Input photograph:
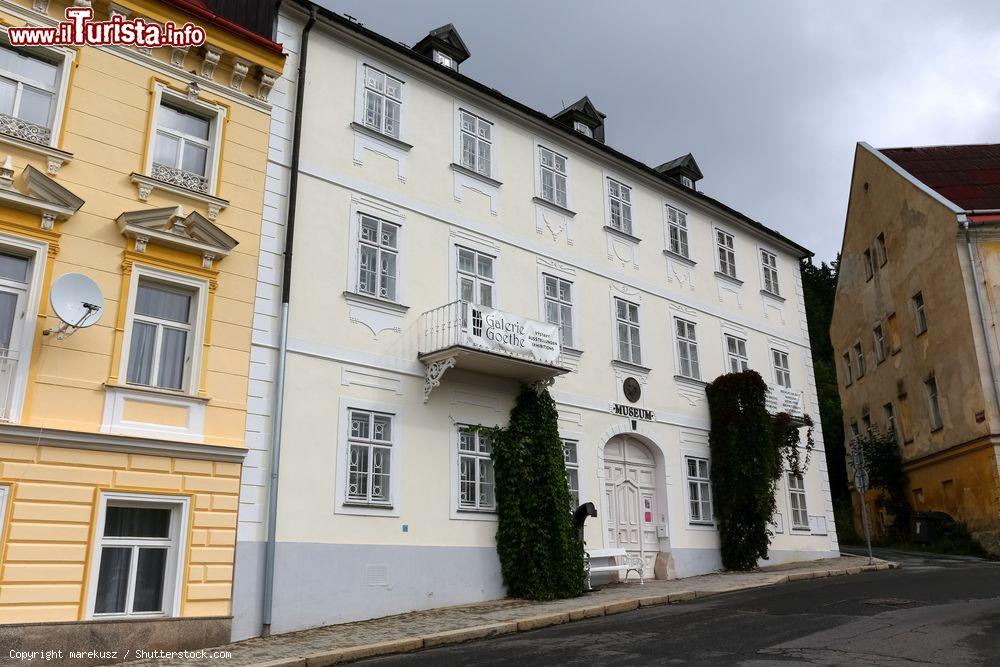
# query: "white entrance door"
{"type": "Point", "coordinates": [630, 498]}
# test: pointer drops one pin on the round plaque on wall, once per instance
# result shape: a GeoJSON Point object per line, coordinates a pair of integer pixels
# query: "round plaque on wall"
{"type": "Point", "coordinates": [632, 389]}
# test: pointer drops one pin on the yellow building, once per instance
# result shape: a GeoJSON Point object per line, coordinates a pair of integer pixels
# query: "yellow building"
{"type": "Point", "coordinates": [915, 324]}
{"type": "Point", "coordinates": [121, 444]}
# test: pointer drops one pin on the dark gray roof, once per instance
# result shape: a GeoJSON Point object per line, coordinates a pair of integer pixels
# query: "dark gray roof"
{"type": "Point", "coordinates": [553, 124]}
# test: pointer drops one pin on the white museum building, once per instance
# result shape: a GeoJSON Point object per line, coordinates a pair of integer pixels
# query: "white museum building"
{"type": "Point", "coordinates": [451, 245]}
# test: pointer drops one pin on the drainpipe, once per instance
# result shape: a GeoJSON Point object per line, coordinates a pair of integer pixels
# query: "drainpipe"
{"type": "Point", "coordinates": [964, 221]}
{"type": "Point", "coordinates": [286, 280]}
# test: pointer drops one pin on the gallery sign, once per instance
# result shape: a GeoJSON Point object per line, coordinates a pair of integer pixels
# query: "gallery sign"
{"type": "Point", "coordinates": [510, 334]}
{"type": "Point", "coordinates": [632, 412]}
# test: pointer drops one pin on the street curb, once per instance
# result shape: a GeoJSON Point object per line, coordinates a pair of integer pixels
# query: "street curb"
{"type": "Point", "coordinates": [462, 635]}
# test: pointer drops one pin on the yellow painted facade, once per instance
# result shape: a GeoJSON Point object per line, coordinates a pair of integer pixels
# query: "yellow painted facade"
{"type": "Point", "coordinates": [185, 443]}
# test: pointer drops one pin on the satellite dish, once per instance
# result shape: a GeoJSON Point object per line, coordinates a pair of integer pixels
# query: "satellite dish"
{"type": "Point", "coordinates": [77, 301]}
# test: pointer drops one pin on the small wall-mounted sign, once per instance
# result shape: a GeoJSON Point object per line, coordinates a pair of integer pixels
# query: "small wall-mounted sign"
{"type": "Point", "coordinates": [632, 412]}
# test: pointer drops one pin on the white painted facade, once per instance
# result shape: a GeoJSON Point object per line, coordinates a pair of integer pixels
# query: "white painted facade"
{"type": "Point", "coordinates": [339, 560]}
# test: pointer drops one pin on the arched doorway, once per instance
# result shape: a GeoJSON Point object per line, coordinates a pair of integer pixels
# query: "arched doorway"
{"type": "Point", "coordinates": [630, 498]}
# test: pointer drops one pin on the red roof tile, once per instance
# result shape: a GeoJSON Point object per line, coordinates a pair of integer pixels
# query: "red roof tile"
{"type": "Point", "coordinates": [968, 176]}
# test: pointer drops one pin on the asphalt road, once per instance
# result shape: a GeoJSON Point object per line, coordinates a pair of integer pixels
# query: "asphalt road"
{"type": "Point", "coordinates": [934, 610]}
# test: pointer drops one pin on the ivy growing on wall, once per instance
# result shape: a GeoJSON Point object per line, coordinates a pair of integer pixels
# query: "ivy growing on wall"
{"type": "Point", "coordinates": [884, 463]}
{"type": "Point", "coordinates": [750, 450]}
{"type": "Point", "coordinates": [541, 555]}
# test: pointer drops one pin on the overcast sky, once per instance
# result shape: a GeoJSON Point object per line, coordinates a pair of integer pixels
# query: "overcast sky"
{"type": "Point", "coordinates": [770, 96]}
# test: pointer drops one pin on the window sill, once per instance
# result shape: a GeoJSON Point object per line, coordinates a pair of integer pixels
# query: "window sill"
{"type": "Point", "coordinates": [694, 382]}
{"type": "Point", "coordinates": [465, 171]}
{"type": "Point", "coordinates": [728, 278]}
{"type": "Point", "coordinates": [702, 525]}
{"type": "Point", "coordinates": [554, 206]}
{"type": "Point", "coordinates": [614, 231]}
{"type": "Point", "coordinates": [382, 304]}
{"type": "Point", "coordinates": [380, 136]}
{"type": "Point", "coordinates": [939, 428]}
{"type": "Point", "coordinates": [147, 184]}
{"type": "Point", "coordinates": [371, 506]}
{"type": "Point", "coordinates": [571, 352]}
{"type": "Point", "coordinates": [680, 258]}
{"type": "Point", "coordinates": [157, 391]}
{"type": "Point", "coordinates": [803, 529]}
{"type": "Point", "coordinates": [896, 351]}
{"type": "Point", "coordinates": [629, 366]}
{"type": "Point", "coordinates": [921, 333]}
{"type": "Point", "coordinates": [771, 295]}
{"type": "Point", "coordinates": [56, 158]}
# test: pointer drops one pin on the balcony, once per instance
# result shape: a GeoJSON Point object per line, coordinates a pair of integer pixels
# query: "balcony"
{"type": "Point", "coordinates": [22, 129]}
{"type": "Point", "coordinates": [781, 399]}
{"type": "Point", "coordinates": [182, 179]}
{"type": "Point", "coordinates": [470, 337]}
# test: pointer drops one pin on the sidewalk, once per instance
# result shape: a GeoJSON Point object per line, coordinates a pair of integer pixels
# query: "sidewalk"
{"type": "Point", "coordinates": [449, 625]}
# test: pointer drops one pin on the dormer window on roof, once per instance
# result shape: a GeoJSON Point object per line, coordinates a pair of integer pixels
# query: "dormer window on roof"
{"type": "Point", "coordinates": [444, 46]}
{"type": "Point", "coordinates": [683, 170]}
{"type": "Point", "coordinates": [583, 117]}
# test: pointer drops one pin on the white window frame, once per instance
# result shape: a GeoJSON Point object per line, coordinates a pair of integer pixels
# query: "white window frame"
{"type": "Point", "coordinates": [781, 371]}
{"type": "Point", "coordinates": [741, 359]}
{"type": "Point", "coordinates": [679, 223]}
{"type": "Point", "coordinates": [546, 146]}
{"type": "Point", "coordinates": [798, 490]}
{"type": "Point", "coordinates": [199, 307]}
{"type": "Point", "coordinates": [573, 465]}
{"type": "Point", "coordinates": [583, 129]}
{"type": "Point", "coordinates": [545, 299]}
{"type": "Point", "coordinates": [919, 312]}
{"type": "Point", "coordinates": [478, 281]}
{"type": "Point", "coordinates": [881, 253]}
{"type": "Point", "coordinates": [37, 254]}
{"type": "Point", "coordinates": [64, 59]}
{"type": "Point", "coordinates": [342, 503]}
{"type": "Point", "coordinates": [610, 183]}
{"type": "Point", "coordinates": [361, 99]}
{"type": "Point", "coordinates": [459, 157]}
{"type": "Point", "coordinates": [370, 444]}
{"type": "Point", "coordinates": [769, 278]}
{"type": "Point", "coordinates": [380, 250]}
{"type": "Point", "coordinates": [216, 116]}
{"type": "Point", "coordinates": [687, 344]}
{"type": "Point", "coordinates": [889, 417]}
{"type": "Point", "coordinates": [4, 493]}
{"type": "Point", "coordinates": [636, 325]}
{"type": "Point", "coordinates": [385, 213]}
{"type": "Point", "coordinates": [460, 509]}
{"type": "Point", "coordinates": [176, 558]}
{"type": "Point", "coordinates": [704, 483]}
{"type": "Point", "coordinates": [480, 246]}
{"type": "Point", "coordinates": [729, 249]}
{"type": "Point", "coordinates": [878, 334]}
{"type": "Point", "coordinates": [933, 403]}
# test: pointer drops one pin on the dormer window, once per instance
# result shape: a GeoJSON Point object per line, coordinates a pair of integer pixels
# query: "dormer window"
{"type": "Point", "coordinates": [583, 129]}
{"type": "Point", "coordinates": [687, 182]}
{"type": "Point", "coordinates": [444, 59]}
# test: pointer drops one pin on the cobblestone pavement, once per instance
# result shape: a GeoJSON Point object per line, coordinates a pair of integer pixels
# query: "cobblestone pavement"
{"type": "Point", "coordinates": [407, 632]}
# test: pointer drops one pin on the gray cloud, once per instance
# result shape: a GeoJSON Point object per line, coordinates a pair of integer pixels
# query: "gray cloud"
{"type": "Point", "coordinates": [771, 97]}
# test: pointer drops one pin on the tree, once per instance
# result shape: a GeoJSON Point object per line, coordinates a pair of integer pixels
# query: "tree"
{"type": "Point", "coordinates": [819, 288]}
{"type": "Point", "coordinates": [541, 554]}
{"type": "Point", "coordinates": [750, 448]}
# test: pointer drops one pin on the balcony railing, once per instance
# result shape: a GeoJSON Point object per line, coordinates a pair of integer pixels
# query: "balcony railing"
{"type": "Point", "coordinates": [468, 336]}
{"type": "Point", "coordinates": [183, 179]}
{"type": "Point", "coordinates": [8, 383]}
{"type": "Point", "coordinates": [22, 129]}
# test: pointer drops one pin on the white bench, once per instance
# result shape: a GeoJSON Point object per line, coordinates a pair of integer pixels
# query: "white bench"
{"type": "Point", "coordinates": [612, 560]}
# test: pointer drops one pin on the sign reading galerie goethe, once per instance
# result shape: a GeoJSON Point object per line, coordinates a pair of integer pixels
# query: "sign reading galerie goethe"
{"type": "Point", "coordinates": [518, 336]}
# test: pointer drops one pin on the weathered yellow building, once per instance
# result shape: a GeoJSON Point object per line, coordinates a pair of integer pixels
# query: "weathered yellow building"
{"type": "Point", "coordinates": [915, 322]}
{"type": "Point", "coordinates": [121, 444]}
